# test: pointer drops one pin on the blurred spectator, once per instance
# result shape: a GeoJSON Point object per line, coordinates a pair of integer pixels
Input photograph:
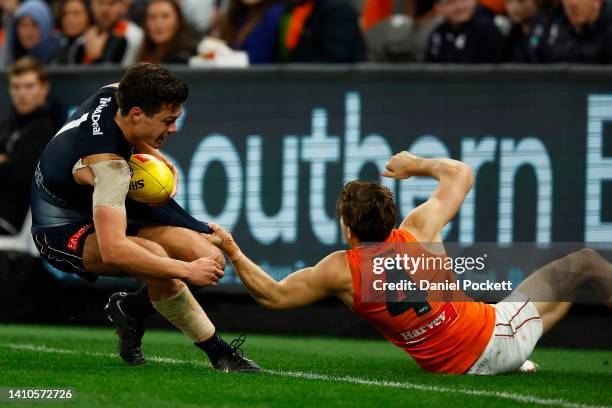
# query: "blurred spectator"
{"type": "Point", "coordinates": [200, 14]}
{"type": "Point", "coordinates": [168, 38]}
{"type": "Point", "coordinates": [75, 19]}
{"type": "Point", "coordinates": [112, 39]}
{"type": "Point", "coordinates": [253, 26]}
{"type": "Point", "coordinates": [23, 135]}
{"type": "Point", "coordinates": [403, 37]}
{"type": "Point", "coordinates": [582, 35]}
{"type": "Point", "coordinates": [30, 33]}
{"type": "Point", "coordinates": [135, 11]}
{"type": "Point", "coordinates": [468, 34]}
{"type": "Point", "coordinates": [7, 8]}
{"type": "Point", "coordinates": [321, 31]}
{"type": "Point", "coordinates": [522, 14]}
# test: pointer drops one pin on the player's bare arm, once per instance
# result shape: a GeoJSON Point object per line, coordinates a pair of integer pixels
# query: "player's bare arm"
{"type": "Point", "coordinates": [455, 181]}
{"type": "Point", "coordinates": [110, 221]}
{"type": "Point", "coordinates": [300, 288]}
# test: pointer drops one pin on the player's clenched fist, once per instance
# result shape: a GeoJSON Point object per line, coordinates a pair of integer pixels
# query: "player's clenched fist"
{"type": "Point", "coordinates": [403, 165]}
{"type": "Point", "coordinates": [205, 272]}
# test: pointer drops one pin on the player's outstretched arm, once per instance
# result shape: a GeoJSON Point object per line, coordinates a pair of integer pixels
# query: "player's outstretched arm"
{"type": "Point", "coordinates": [301, 288]}
{"type": "Point", "coordinates": [427, 220]}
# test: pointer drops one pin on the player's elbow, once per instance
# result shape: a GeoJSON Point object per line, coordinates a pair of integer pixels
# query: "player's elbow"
{"type": "Point", "coordinates": [468, 176]}
{"type": "Point", "coordinates": [266, 303]}
{"type": "Point", "coordinates": [272, 304]}
{"type": "Point", "coordinates": [273, 300]}
{"type": "Point", "coordinates": [111, 255]}
{"type": "Point", "coordinates": [463, 175]}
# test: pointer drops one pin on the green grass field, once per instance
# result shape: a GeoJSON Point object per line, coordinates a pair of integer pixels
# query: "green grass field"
{"type": "Point", "coordinates": [302, 372]}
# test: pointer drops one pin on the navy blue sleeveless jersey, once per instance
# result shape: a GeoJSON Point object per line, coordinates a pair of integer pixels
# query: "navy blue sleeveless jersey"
{"type": "Point", "coordinates": [57, 199]}
{"type": "Point", "coordinates": [90, 130]}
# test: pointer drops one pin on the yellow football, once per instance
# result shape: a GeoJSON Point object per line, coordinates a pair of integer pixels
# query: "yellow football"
{"type": "Point", "coordinates": [152, 180]}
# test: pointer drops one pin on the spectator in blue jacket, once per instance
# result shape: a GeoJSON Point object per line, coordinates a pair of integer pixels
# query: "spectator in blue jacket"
{"type": "Point", "coordinates": [253, 26]}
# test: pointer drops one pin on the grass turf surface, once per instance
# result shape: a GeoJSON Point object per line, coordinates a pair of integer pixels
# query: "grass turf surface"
{"type": "Point", "coordinates": [178, 375]}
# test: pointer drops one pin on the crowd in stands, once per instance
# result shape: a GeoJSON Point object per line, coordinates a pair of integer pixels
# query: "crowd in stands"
{"type": "Point", "coordinates": [74, 32]}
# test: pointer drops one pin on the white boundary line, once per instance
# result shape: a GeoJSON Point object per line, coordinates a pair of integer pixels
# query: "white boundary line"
{"type": "Point", "coordinates": [323, 377]}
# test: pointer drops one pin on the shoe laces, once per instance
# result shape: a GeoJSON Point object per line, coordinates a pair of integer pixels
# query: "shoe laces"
{"type": "Point", "coordinates": [236, 344]}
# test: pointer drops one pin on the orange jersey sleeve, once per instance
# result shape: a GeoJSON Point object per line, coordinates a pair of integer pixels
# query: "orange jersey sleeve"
{"type": "Point", "coordinates": [443, 333]}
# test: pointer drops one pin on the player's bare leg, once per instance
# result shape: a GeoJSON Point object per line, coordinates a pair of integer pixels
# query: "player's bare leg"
{"type": "Point", "coordinates": [187, 245]}
{"type": "Point", "coordinates": [554, 286]}
{"type": "Point", "coordinates": [170, 297]}
{"type": "Point", "coordinates": [182, 243]}
{"type": "Point", "coordinates": [127, 311]}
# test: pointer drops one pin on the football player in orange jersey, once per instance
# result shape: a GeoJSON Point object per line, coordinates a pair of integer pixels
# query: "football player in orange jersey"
{"type": "Point", "coordinates": [459, 337]}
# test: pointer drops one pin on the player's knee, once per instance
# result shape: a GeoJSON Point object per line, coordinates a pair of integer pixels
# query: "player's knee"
{"type": "Point", "coordinates": [585, 258]}
{"type": "Point", "coordinates": [163, 288]}
{"type": "Point", "coordinates": [154, 248]}
{"type": "Point", "coordinates": [587, 253]}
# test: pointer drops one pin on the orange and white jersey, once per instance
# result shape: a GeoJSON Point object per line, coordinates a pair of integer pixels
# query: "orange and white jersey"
{"type": "Point", "coordinates": [443, 332]}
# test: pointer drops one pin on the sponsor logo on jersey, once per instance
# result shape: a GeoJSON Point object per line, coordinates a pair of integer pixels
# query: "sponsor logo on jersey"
{"type": "Point", "coordinates": [95, 117]}
{"type": "Point", "coordinates": [73, 241]}
{"type": "Point", "coordinates": [445, 316]}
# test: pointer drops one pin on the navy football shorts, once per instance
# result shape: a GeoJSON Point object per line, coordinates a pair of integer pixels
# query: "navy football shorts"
{"type": "Point", "coordinates": [62, 246]}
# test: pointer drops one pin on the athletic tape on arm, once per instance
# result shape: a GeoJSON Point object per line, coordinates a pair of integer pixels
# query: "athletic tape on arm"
{"type": "Point", "coordinates": [112, 182]}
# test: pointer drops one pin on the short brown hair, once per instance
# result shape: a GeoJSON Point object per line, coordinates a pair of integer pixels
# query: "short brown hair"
{"type": "Point", "coordinates": [367, 208]}
{"type": "Point", "coordinates": [150, 87]}
{"type": "Point", "coordinates": [28, 64]}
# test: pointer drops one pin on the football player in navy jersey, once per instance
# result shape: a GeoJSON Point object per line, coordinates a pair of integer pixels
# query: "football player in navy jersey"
{"type": "Point", "coordinates": [83, 223]}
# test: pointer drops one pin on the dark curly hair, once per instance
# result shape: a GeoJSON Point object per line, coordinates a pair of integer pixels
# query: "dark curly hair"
{"type": "Point", "coordinates": [150, 87]}
{"type": "Point", "coordinates": [367, 208]}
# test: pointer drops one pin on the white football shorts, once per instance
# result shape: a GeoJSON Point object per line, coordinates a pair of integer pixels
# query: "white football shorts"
{"type": "Point", "coordinates": [518, 328]}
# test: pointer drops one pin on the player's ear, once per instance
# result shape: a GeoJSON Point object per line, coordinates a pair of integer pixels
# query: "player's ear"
{"type": "Point", "coordinates": [136, 114]}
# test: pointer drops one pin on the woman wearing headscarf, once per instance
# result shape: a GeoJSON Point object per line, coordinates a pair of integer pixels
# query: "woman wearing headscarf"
{"type": "Point", "coordinates": [30, 33]}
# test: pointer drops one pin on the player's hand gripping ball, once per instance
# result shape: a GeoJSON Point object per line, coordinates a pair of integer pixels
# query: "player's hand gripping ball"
{"type": "Point", "coordinates": [152, 180]}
